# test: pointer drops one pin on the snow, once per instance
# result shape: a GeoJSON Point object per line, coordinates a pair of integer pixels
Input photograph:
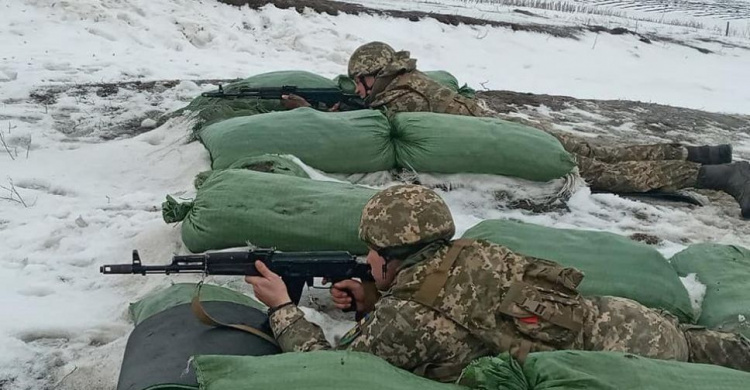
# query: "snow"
{"type": "Point", "coordinates": [638, 15]}
{"type": "Point", "coordinates": [85, 201]}
{"type": "Point", "coordinates": [696, 291]}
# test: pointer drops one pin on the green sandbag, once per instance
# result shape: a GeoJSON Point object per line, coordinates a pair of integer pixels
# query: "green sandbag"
{"type": "Point", "coordinates": [181, 293]}
{"type": "Point", "coordinates": [725, 271]}
{"type": "Point", "coordinates": [271, 163]}
{"type": "Point", "coordinates": [445, 78]}
{"type": "Point", "coordinates": [571, 370]}
{"type": "Point", "coordinates": [336, 142]}
{"type": "Point", "coordinates": [442, 143]}
{"type": "Point", "coordinates": [490, 373]}
{"type": "Point", "coordinates": [209, 110]}
{"type": "Point", "coordinates": [613, 265]}
{"type": "Point", "coordinates": [318, 370]}
{"type": "Point", "coordinates": [235, 207]}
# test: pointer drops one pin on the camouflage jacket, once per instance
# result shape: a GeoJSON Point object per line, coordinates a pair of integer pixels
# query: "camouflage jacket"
{"type": "Point", "coordinates": [458, 302]}
{"type": "Point", "coordinates": [413, 91]}
{"type": "Point", "coordinates": [438, 339]}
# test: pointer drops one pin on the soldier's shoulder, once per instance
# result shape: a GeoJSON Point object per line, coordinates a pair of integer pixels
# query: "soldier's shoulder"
{"type": "Point", "coordinates": [415, 77]}
{"type": "Point", "coordinates": [482, 244]}
{"type": "Point", "coordinates": [486, 248]}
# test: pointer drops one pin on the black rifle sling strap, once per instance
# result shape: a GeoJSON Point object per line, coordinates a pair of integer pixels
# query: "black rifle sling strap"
{"type": "Point", "coordinates": [434, 282]}
{"type": "Point", "coordinates": [206, 319]}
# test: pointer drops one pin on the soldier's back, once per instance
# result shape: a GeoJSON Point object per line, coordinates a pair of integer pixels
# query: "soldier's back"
{"type": "Point", "coordinates": [416, 92]}
{"type": "Point", "coordinates": [510, 302]}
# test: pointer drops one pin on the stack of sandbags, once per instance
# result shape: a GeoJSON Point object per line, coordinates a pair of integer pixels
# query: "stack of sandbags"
{"type": "Point", "coordinates": [366, 141]}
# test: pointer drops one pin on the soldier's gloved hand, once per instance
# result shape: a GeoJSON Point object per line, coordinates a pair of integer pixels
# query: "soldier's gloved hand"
{"type": "Point", "coordinates": [293, 101]}
{"type": "Point", "coordinates": [268, 287]}
{"type": "Point", "coordinates": [342, 300]}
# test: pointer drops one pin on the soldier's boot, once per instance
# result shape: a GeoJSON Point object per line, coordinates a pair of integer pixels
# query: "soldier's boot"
{"type": "Point", "coordinates": [710, 155]}
{"type": "Point", "coordinates": [734, 179]}
{"type": "Point", "coordinates": [723, 349]}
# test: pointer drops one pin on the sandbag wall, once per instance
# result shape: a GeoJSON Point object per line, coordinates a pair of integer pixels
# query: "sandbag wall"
{"type": "Point", "coordinates": [208, 110]}
{"type": "Point", "coordinates": [363, 141]}
{"type": "Point", "coordinates": [237, 206]}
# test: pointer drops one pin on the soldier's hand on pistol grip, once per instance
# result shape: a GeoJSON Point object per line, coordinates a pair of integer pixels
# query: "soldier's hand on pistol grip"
{"type": "Point", "coordinates": [343, 291]}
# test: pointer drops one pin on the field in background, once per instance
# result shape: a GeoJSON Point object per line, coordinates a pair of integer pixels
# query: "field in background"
{"type": "Point", "coordinates": [709, 15]}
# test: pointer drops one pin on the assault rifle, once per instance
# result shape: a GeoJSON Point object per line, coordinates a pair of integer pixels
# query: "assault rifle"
{"type": "Point", "coordinates": [296, 268]}
{"type": "Point", "coordinates": [328, 96]}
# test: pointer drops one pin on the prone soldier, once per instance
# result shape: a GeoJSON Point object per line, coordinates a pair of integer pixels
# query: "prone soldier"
{"type": "Point", "coordinates": [446, 303]}
{"type": "Point", "coordinates": [389, 80]}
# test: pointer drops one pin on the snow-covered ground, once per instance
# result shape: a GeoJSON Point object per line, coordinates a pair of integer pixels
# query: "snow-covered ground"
{"type": "Point", "coordinates": [71, 201]}
{"type": "Point", "coordinates": [707, 16]}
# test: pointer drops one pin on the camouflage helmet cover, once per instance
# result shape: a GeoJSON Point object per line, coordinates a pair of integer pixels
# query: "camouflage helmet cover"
{"type": "Point", "coordinates": [405, 215]}
{"type": "Point", "coordinates": [370, 58]}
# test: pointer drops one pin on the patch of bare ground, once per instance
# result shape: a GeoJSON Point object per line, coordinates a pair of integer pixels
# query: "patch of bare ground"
{"type": "Point", "coordinates": [623, 119]}
{"type": "Point", "coordinates": [100, 112]}
{"type": "Point", "coordinates": [624, 122]}
{"type": "Point", "coordinates": [335, 8]}
{"type": "Point", "coordinates": [724, 43]}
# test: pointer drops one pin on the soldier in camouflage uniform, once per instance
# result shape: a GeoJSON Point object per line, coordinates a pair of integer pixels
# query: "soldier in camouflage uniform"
{"type": "Point", "coordinates": [446, 303]}
{"type": "Point", "coordinates": [389, 80]}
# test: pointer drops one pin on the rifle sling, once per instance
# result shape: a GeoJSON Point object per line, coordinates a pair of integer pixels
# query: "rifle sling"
{"type": "Point", "coordinates": [206, 319]}
{"type": "Point", "coordinates": [433, 284]}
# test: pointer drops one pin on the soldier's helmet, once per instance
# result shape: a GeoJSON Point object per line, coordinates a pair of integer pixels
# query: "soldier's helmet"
{"type": "Point", "coordinates": [405, 215]}
{"type": "Point", "coordinates": [370, 58]}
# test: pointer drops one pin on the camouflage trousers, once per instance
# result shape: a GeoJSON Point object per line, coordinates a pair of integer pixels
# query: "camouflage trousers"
{"type": "Point", "coordinates": [635, 168]}
{"type": "Point", "coordinates": [623, 325]}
